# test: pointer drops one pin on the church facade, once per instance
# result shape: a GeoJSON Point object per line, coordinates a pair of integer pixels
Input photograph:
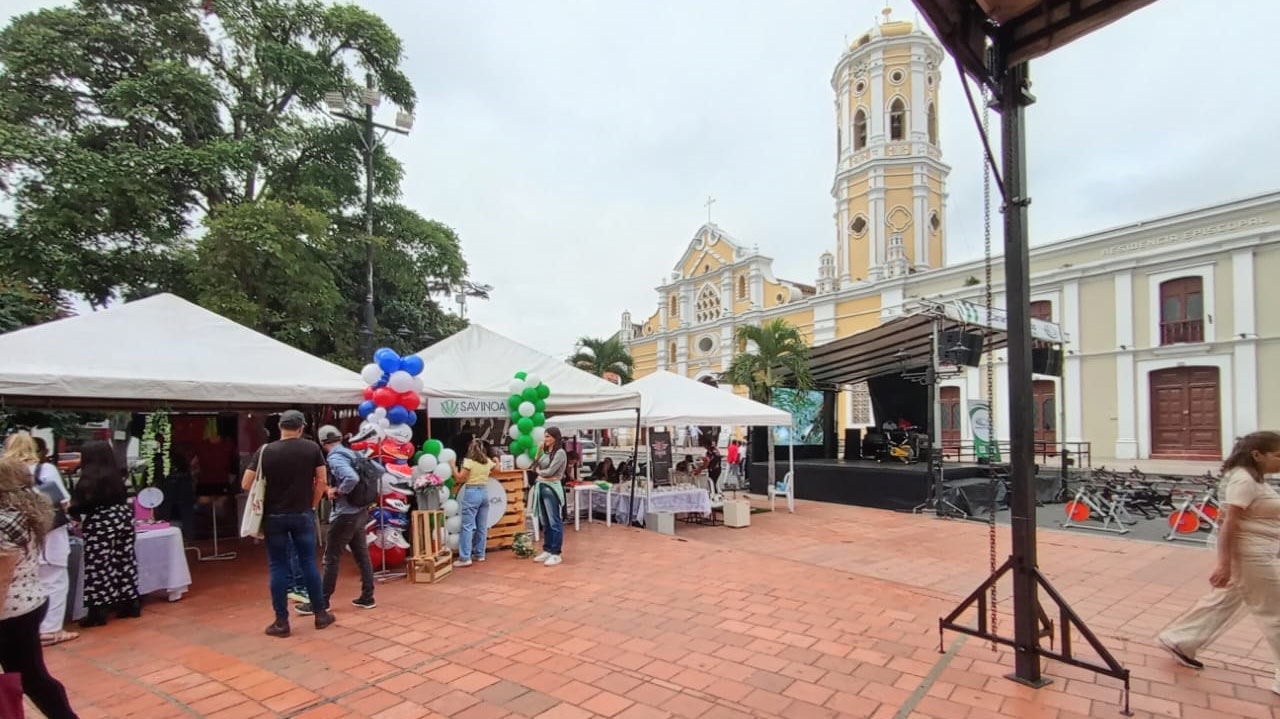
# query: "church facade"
{"type": "Point", "coordinates": [1168, 336]}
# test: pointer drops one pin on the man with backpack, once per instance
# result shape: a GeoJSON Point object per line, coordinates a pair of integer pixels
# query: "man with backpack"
{"type": "Point", "coordinates": [351, 491]}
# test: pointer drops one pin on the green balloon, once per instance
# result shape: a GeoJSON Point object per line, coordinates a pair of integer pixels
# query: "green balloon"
{"type": "Point", "coordinates": [525, 424]}
{"type": "Point", "coordinates": [416, 456]}
{"type": "Point", "coordinates": [530, 394]}
{"type": "Point", "coordinates": [448, 483]}
{"type": "Point", "coordinates": [539, 419]}
{"type": "Point", "coordinates": [539, 406]}
{"type": "Point", "coordinates": [543, 391]}
{"type": "Point", "coordinates": [433, 447]}
{"type": "Point", "coordinates": [520, 444]}
{"type": "Point", "coordinates": [521, 375]}
{"type": "Point", "coordinates": [514, 401]}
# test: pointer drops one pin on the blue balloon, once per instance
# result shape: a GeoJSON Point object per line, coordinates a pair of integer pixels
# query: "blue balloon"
{"type": "Point", "coordinates": [412, 364]}
{"type": "Point", "coordinates": [413, 419]}
{"type": "Point", "coordinates": [366, 408]}
{"type": "Point", "coordinates": [387, 359]}
{"type": "Point", "coordinates": [382, 382]}
{"type": "Point", "coordinates": [398, 415]}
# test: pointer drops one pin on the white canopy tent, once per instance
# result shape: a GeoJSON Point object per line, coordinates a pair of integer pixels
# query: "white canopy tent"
{"type": "Point", "coordinates": [478, 364]}
{"type": "Point", "coordinates": [163, 350]}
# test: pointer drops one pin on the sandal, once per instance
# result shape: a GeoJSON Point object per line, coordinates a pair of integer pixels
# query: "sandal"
{"type": "Point", "coordinates": [57, 637]}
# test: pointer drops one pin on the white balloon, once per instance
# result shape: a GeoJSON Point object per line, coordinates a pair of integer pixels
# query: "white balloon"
{"type": "Point", "coordinates": [532, 380]}
{"type": "Point", "coordinates": [539, 435]}
{"type": "Point", "coordinates": [523, 461]}
{"type": "Point", "coordinates": [443, 493]}
{"type": "Point", "coordinates": [513, 432]}
{"type": "Point", "coordinates": [453, 524]}
{"type": "Point", "coordinates": [453, 540]}
{"type": "Point", "coordinates": [448, 455]}
{"type": "Point", "coordinates": [443, 471]}
{"type": "Point", "coordinates": [451, 508]}
{"type": "Point", "coordinates": [427, 463]}
{"type": "Point", "coordinates": [418, 384]}
{"type": "Point", "coordinates": [384, 423]}
{"type": "Point", "coordinates": [379, 413]}
{"type": "Point", "coordinates": [527, 409]}
{"type": "Point", "coordinates": [400, 381]}
{"type": "Point", "coordinates": [516, 386]}
{"type": "Point", "coordinates": [371, 373]}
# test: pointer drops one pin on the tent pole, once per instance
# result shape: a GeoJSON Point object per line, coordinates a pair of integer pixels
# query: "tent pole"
{"type": "Point", "coordinates": [791, 455]}
{"type": "Point", "coordinates": [635, 469]}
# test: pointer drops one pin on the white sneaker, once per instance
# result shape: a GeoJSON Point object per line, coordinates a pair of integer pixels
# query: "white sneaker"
{"type": "Point", "coordinates": [553, 560]}
{"type": "Point", "coordinates": [462, 563]}
{"type": "Point", "coordinates": [542, 557]}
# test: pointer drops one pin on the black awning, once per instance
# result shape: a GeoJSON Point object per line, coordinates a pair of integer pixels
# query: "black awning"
{"type": "Point", "coordinates": [902, 343]}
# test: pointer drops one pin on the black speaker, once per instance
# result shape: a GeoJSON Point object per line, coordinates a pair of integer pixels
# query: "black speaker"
{"type": "Point", "coordinates": [1046, 361]}
{"type": "Point", "coordinates": [853, 443]}
{"type": "Point", "coordinates": [874, 443]}
{"type": "Point", "coordinates": [962, 348]}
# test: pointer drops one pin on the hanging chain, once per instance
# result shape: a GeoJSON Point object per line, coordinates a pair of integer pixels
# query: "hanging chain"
{"type": "Point", "coordinates": [990, 356]}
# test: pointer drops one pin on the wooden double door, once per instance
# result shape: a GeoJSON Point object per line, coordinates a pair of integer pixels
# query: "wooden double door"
{"type": "Point", "coordinates": [1186, 414]}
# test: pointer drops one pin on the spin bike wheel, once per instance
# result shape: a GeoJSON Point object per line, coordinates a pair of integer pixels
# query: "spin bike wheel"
{"type": "Point", "coordinates": [1184, 523]}
{"type": "Point", "coordinates": [1210, 511]}
{"type": "Point", "coordinates": [1077, 511]}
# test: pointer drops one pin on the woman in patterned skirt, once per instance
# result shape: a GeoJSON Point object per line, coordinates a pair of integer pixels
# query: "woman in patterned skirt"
{"type": "Point", "coordinates": [99, 500]}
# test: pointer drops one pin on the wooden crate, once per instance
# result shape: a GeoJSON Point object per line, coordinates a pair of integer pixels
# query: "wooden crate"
{"type": "Point", "coordinates": [503, 534]}
{"type": "Point", "coordinates": [431, 559]}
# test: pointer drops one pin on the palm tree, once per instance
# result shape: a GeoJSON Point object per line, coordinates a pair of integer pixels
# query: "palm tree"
{"type": "Point", "coordinates": [600, 356]}
{"type": "Point", "coordinates": [779, 351]}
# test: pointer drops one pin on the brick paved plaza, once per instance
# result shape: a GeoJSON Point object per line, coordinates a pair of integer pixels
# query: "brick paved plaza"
{"type": "Point", "coordinates": [831, 611]}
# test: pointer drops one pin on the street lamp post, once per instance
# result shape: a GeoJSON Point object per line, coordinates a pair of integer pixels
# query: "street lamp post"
{"type": "Point", "coordinates": [370, 139]}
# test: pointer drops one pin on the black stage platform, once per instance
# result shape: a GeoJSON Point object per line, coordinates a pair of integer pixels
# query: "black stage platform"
{"type": "Point", "coordinates": [865, 483]}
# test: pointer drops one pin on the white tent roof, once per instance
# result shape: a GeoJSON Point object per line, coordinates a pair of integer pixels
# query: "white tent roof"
{"type": "Point", "coordinates": [478, 363]}
{"type": "Point", "coordinates": [164, 350]}
{"type": "Point", "coordinates": [668, 399]}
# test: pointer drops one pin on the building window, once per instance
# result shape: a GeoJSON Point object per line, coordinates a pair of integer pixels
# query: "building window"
{"type": "Point", "coordinates": [742, 287]}
{"type": "Point", "coordinates": [932, 120]}
{"type": "Point", "coordinates": [671, 352]}
{"type": "Point", "coordinates": [859, 226]}
{"type": "Point", "coordinates": [935, 223]}
{"type": "Point", "coordinates": [742, 345]}
{"type": "Point", "coordinates": [859, 87]}
{"type": "Point", "coordinates": [896, 77]}
{"type": "Point", "coordinates": [707, 307]}
{"type": "Point", "coordinates": [859, 129]}
{"type": "Point", "coordinates": [861, 404]}
{"type": "Point", "coordinates": [672, 308]}
{"type": "Point", "coordinates": [897, 119]}
{"type": "Point", "coordinates": [1182, 310]}
{"type": "Point", "coordinates": [706, 344]}
{"type": "Point", "coordinates": [1042, 310]}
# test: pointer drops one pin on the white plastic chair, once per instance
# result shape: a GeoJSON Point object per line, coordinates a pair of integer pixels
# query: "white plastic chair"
{"type": "Point", "coordinates": [788, 490]}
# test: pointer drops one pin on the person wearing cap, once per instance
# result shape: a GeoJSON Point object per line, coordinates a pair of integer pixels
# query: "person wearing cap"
{"type": "Point", "coordinates": [346, 522]}
{"type": "Point", "coordinates": [294, 471]}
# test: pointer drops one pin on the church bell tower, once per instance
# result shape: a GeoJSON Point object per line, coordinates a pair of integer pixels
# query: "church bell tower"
{"type": "Point", "coordinates": [890, 181]}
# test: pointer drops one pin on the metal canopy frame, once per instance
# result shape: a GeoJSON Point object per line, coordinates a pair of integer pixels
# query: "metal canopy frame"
{"type": "Point", "coordinates": [992, 40]}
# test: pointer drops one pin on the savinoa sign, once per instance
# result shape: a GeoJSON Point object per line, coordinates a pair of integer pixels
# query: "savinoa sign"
{"type": "Point", "coordinates": [445, 408]}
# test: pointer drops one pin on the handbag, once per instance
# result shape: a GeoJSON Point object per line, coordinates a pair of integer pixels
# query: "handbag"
{"type": "Point", "coordinates": [11, 696]}
{"type": "Point", "coordinates": [251, 522]}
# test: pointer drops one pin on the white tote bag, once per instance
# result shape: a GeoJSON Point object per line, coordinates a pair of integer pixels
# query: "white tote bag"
{"type": "Point", "coordinates": [251, 522]}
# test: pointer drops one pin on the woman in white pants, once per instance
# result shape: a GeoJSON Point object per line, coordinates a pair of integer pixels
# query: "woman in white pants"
{"type": "Point", "coordinates": [1248, 573]}
{"type": "Point", "coordinates": [54, 579]}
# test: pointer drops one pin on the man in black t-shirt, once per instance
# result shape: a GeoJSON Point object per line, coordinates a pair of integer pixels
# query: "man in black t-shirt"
{"type": "Point", "coordinates": [294, 470]}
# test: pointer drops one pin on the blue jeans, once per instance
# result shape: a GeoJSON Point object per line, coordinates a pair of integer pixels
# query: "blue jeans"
{"type": "Point", "coordinates": [297, 582]}
{"type": "Point", "coordinates": [296, 530]}
{"type": "Point", "coordinates": [475, 521]}
{"type": "Point", "coordinates": [553, 524]}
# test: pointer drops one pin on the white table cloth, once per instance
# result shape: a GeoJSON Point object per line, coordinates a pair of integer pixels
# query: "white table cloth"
{"type": "Point", "coordinates": [677, 500]}
{"type": "Point", "coordinates": [162, 563]}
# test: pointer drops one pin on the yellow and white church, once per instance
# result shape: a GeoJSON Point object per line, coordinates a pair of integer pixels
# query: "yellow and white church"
{"type": "Point", "coordinates": [1166, 365]}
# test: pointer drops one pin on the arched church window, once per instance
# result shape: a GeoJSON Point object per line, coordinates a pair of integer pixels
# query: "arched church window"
{"type": "Point", "coordinates": [707, 307]}
{"type": "Point", "coordinates": [859, 130]}
{"type": "Point", "coordinates": [932, 120]}
{"type": "Point", "coordinates": [897, 119]}
{"type": "Point", "coordinates": [671, 306]}
{"type": "Point", "coordinates": [742, 287]}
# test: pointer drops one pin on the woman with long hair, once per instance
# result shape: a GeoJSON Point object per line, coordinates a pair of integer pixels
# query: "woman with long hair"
{"type": "Point", "coordinates": [25, 517]}
{"type": "Point", "coordinates": [32, 452]}
{"type": "Point", "coordinates": [473, 498]}
{"type": "Point", "coordinates": [1247, 573]}
{"type": "Point", "coordinates": [110, 565]}
{"type": "Point", "coordinates": [550, 496]}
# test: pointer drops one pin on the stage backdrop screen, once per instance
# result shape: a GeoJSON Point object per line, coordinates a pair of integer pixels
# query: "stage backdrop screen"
{"type": "Point", "coordinates": [806, 414]}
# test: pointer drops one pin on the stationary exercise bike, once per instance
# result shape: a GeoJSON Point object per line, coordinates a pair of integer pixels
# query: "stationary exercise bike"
{"type": "Point", "coordinates": [903, 451]}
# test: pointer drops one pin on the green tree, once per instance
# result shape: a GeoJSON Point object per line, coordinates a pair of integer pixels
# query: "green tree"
{"type": "Point", "coordinates": [599, 356]}
{"type": "Point", "coordinates": [21, 305]}
{"type": "Point", "coordinates": [126, 125]}
{"type": "Point", "coordinates": [779, 352]}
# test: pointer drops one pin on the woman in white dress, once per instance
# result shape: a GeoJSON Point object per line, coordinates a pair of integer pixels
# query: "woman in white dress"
{"type": "Point", "coordinates": [1247, 573]}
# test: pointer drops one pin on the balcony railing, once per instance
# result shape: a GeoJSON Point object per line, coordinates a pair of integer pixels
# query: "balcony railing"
{"type": "Point", "coordinates": [1172, 333]}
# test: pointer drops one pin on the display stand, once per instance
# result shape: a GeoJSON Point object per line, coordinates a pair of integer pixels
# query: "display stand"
{"type": "Point", "coordinates": [432, 559]}
{"type": "Point", "coordinates": [502, 534]}
{"type": "Point", "coordinates": [216, 556]}
{"type": "Point", "coordinates": [383, 574]}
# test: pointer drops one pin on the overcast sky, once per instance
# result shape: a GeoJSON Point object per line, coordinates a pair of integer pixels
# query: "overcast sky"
{"type": "Point", "coordinates": [572, 144]}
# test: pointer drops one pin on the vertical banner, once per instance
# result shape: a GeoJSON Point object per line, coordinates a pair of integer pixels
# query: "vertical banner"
{"type": "Point", "coordinates": [659, 456]}
{"type": "Point", "coordinates": [984, 444]}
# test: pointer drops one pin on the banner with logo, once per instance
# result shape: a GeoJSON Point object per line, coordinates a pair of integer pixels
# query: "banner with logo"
{"type": "Point", "coordinates": [984, 444]}
{"type": "Point", "coordinates": [659, 456]}
{"type": "Point", "coordinates": [450, 408]}
{"type": "Point", "coordinates": [975, 314]}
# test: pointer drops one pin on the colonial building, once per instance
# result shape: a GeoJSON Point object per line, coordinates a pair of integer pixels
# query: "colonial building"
{"type": "Point", "coordinates": [1166, 323]}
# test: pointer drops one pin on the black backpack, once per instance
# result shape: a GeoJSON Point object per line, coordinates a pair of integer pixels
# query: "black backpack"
{"type": "Point", "coordinates": [366, 490]}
